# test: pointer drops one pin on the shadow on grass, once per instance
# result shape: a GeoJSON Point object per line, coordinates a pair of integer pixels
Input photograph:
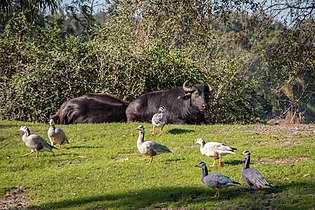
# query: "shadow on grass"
{"type": "Point", "coordinates": [281, 196]}
{"type": "Point", "coordinates": [180, 131]}
{"type": "Point", "coordinates": [147, 198]}
{"type": "Point", "coordinates": [181, 197]}
{"type": "Point", "coordinates": [233, 162]}
{"type": "Point", "coordinates": [9, 126]}
{"type": "Point", "coordinates": [83, 147]}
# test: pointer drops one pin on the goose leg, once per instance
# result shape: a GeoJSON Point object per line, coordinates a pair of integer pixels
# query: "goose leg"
{"type": "Point", "coordinates": [153, 131]}
{"type": "Point", "coordinates": [214, 160]}
{"type": "Point", "coordinates": [161, 131]}
{"type": "Point", "coordinates": [26, 154]}
{"type": "Point", "coordinates": [145, 159]}
{"type": "Point", "coordinates": [217, 193]}
{"type": "Point", "coordinates": [36, 154]}
{"type": "Point", "coordinates": [221, 163]}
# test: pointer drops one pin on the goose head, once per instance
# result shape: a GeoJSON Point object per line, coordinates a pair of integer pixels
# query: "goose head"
{"type": "Point", "coordinates": [200, 141]}
{"type": "Point", "coordinates": [51, 122]}
{"type": "Point", "coordinates": [162, 109]}
{"type": "Point", "coordinates": [140, 128]}
{"type": "Point", "coordinates": [201, 165]}
{"type": "Point", "coordinates": [246, 153]}
{"type": "Point", "coordinates": [24, 129]}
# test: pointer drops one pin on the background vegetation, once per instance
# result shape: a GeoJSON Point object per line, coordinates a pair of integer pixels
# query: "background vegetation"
{"type": "Point", "coordinates": [259, 57]}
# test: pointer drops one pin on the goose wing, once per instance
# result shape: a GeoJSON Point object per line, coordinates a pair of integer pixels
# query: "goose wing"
{"type": "Point", "coordinates": [36, 142]}
{"type": "Point", "coordinates": [219, 181]}
{"type": "Point", "coordinates": [156, 147]}
{"type": "Point", "coordinates": [158, 119]}
{"type": "Point", "coordinates": [45, 145]}
{"type": "Point", "coordinates": [33, 142]}
{"type": "Point", "coordinates": [209, 149]}
{"type": "Point", "coordinates": [61, 136]}
{"type": "Point", "coordinates": [253, 178]}
{"type": "Point", "coordinates": [218, 148]}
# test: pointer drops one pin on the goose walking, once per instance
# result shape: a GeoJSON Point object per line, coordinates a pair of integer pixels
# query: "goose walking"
{"type": "Point", "coordinates": [56, 135]}
{"type": "Point", "coordinates": [251, 176]}
{"type": "Point", "coordinates": [159, 119]}
{"type": "Point", "coordinates": [215, 181]}
{"type": "Point", "coordinates": [215, 150]}
{"type": "Point", "coordinates": [149, 148]}
{"type": "Point", "coordinates": [35, 142]}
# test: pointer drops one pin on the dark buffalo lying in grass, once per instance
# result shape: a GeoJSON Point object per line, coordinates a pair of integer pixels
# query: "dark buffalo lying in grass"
{"type": "Point", "coordinates": [184, 105]}
{"type": "Point", "coordinates": [92, 108]}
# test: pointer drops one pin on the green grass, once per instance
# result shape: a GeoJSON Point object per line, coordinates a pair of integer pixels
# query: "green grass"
{"type": "Point", "coordinates": [102, 169]}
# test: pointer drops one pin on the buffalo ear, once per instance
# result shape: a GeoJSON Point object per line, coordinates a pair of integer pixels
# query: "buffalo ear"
{"type": "Point", "coordinates": [184, 97]}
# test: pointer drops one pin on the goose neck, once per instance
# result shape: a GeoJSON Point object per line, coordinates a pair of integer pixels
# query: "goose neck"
{"type": "Point", "coordinates": [204, 171]}
{"type": "Point", "coordinates": [247, 161]}
{"type": "Point", "coordinates": [27, 132]}
{"type": "Point", "coordinates": [202, 144]}
{"type": "Point", "coordinates": [141, 137]}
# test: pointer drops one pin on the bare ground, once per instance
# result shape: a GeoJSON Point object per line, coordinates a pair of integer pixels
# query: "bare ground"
{"type": "Point", "coordinates": [16, 198]}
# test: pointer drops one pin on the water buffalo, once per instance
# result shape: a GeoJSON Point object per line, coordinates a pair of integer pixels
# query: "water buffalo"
{"type": "Point", "coordinates": [92, 108]}
{"type": "Point", "coordinates": [184, 105]}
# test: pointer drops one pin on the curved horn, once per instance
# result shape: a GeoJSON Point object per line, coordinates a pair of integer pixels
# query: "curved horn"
{"type": "Point", "coordinates": [210, 87]}
{"type": "Point", "coordinates": [187, 89]}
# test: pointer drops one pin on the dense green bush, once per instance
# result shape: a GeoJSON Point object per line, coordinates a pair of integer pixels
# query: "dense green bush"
{"type": "Point", "coordinates": [157, 49]}
{"type": "Point", "coordinates": [46, 70]}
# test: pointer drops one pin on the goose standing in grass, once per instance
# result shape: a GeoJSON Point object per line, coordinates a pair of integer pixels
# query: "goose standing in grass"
{"type": "Point", "coordinates": [149, 148]}
{"type": "Point", "coordinates": [159, 119]}
{"type": "Point", "coordinates": [251, 176]}
{"type": "Point", "coordinates": [35, 142]}
{"type": "Point", "coordinates": [215, 149]}
{"type": "Point", "coordinates": [215, 181]}
{"type": "Point", "coordinates": [56, 135]}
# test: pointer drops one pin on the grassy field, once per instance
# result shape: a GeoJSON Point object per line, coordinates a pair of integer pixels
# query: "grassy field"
{"type": "Point", "coordinates": [102, 169]}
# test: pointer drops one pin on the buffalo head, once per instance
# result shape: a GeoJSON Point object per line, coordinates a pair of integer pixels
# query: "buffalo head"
{"type": "Point", "coordinates": [198, 96]}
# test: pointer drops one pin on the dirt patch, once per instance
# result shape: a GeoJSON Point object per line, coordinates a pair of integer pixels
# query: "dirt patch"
{"type": "Point", "coordinates": [286, 143]}
{"type": "Point", "coordinates": [284, 161]}
{"type": "Point", "coordinates": [15, 198]}
{"type": "Point", "coordinates": [305, 130]}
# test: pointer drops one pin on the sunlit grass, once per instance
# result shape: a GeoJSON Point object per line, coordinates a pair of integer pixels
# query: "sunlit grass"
{"type": "Point", "coordinates": [101, 167]}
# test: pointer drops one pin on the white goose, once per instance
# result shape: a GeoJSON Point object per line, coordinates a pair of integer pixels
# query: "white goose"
{"type": "Point", "coordinates": [215, 150]}
{"type": "Point", "coordinates": [149, 148]}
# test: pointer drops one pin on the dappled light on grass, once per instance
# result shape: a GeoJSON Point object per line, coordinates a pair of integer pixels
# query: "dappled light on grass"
{"type": "Point", "coordinates": [107, 172]}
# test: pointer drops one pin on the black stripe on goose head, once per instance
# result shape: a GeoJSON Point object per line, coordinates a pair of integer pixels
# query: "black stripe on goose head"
{"type": "Point", "coordinates": [201, 165]}
{"type": "Point", "coordinates": [246, 153]}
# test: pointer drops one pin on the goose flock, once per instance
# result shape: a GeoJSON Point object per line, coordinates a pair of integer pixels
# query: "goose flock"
{"type": "Point", "coordinates": [216, 181]}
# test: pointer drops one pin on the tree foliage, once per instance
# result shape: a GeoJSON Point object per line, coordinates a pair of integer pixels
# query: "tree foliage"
{"type": "Point", "coordinates": [259, 67]}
